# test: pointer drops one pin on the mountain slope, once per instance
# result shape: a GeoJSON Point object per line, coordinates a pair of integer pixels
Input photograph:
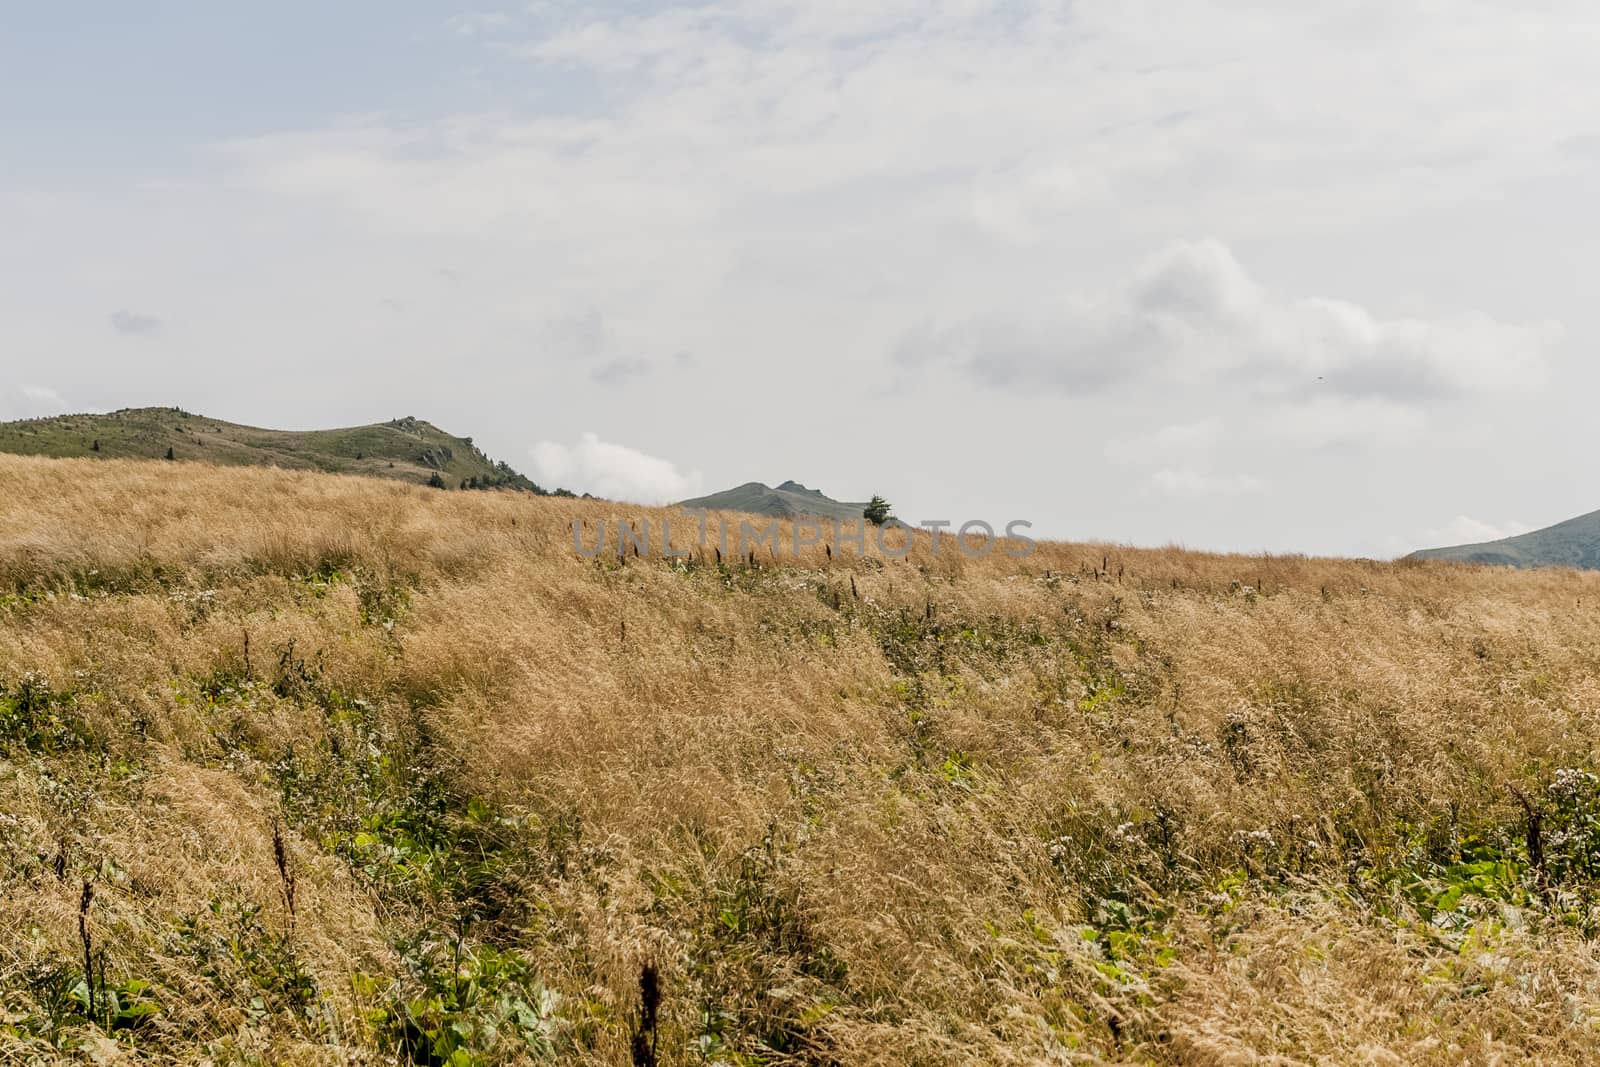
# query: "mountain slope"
{"type": "Point", "coordinates": [786, 501]}
{"type": "Point", "coordinates": [1573, 543]}
{"type": "Point", "coordinates": [406, 449]}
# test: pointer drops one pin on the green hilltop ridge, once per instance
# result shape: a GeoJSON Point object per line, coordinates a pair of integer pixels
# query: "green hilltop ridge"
{"type": "Point", "coordinates": [789, 500]}
{"type": "Point", "coordinates": [1573, 543]}
{"type": "Point", "coordinates": [407, 449]}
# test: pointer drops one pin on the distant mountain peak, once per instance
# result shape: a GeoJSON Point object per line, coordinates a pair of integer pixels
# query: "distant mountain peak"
{"type": "Point", "coordinates": [789, 500]}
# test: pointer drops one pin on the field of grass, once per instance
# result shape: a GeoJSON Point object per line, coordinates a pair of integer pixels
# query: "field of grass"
{"type": "Point", "coordinates": [407, 449]}
{"type": "Point", "coordinates": [308, 769]}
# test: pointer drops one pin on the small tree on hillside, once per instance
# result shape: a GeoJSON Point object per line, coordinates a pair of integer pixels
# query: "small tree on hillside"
{"type": "Point", "coordinates": [877, 511]}
{"type": "Point", "coordinates": [435, 481]}
{"type": "Point", "coordinates": [170, 455]}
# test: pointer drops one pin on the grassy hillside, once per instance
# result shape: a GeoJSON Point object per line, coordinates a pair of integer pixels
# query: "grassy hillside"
{"type": "Point", "coordinates": [354, 771]}
{"type": "Point", "coordinates": [1574, 543]}
{"type": "Point", "coordinates": [789, 500]}
{"type": "Point", "coordinates": [407, 449]}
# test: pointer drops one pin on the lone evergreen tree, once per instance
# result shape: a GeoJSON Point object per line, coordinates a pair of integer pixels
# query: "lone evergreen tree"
{"type": "Point", "coordinates": [96, 446]}
{"type": "Point", "coordinates": [877, 511]}
{"type": "Point", "coordinates": [170, 455]}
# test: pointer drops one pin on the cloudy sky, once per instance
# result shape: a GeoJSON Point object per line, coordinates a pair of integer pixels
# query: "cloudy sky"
{"type": "Point", "coordinates": [1227, 273]}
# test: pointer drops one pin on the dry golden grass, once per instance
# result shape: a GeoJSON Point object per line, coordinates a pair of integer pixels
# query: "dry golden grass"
{"type": "Point", "coordinates": [1092, 805]}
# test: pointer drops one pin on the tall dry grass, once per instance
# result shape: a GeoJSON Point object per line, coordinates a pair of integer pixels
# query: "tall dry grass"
{"type": "Point", "coordinates": [1097, 804]}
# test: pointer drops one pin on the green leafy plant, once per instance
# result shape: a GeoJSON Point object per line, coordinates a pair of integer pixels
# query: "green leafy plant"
{"type": "Point", "coordinates": [467, 1004]}
{"type": "Point", "coordinates": [39, 718]}
{"type": "Point", "coordinates": [249, 964]}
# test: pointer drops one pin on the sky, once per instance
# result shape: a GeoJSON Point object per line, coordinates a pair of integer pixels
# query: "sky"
{"type": "Point", "coordinates": [1230, 274]}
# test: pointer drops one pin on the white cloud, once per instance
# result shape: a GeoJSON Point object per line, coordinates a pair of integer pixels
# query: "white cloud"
{"type": "Point", "coordinates": [613, 471]}
{"type": "Point", "coordinates": [1185, 481]}
{"type": "Point", "coordinates": [621, 371]}
{"type": "Point", "coordinates": [591, 338]}
{"type": "Point", "coordinates": [585, 335]}
{"type": "Point", "coordinates": [1189, 435]}
{"type": "Point", "coordinates": [133, 323]}
{"type": "Point", "coordinates": [1192, 315]}
{"type": "Point", "coordinates": [1017, 203]}
{"type": "Point", "coordinates": [1183, 438]}
{"type": "Point", "coordinates": [474, 23]}
{"type": "Point", "coordinates": [992, 115]}
{"type": "Point", "coordinates": [1330, 420]}
{"type": "Point", "coordinates": [30, 402]}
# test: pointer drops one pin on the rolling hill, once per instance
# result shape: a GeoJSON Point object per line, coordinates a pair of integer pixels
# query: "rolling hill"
{"type": "Point", "coordinates": [407, 449]}
{"type": "Point", "coordinates": [1573, 543]}
{"type": "Point", "coordinates": [788, 500]}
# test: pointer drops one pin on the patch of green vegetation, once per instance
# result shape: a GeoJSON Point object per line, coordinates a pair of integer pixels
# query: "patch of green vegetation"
{"type": "Point", "coordinates": [1544, 864]}
{"type": "Point", "coordinates": [1100, 690]}
{"type": "Point", "coordinates": [765, 976]}
{"type": "Point", "coordinates": [374, 790]}
{"type": "Point", "coordinates": [249, 963]}
{"type": "Point", "coordinates": [40, 719]}
{"type": "Point", "coordinates": [929, 641]}
{"type": "Point", "coordinates": [1121, 860]}
{"type": "Point", "coordinates": [462, 1004]}
{"type": "Point", "coordinates": [62, 1007]}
